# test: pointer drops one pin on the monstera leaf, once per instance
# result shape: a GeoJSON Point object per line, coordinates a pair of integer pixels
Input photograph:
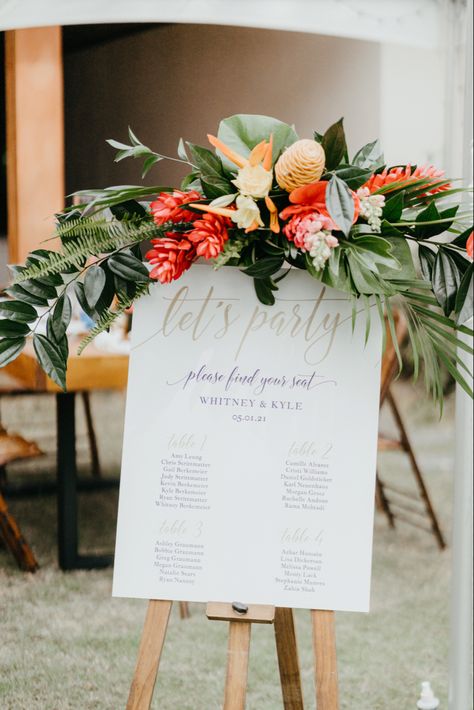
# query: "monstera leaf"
{"type": "Point", "coordinates": [243, 132]}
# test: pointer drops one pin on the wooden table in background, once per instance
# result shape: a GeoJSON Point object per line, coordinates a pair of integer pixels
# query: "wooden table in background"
{"type": "Point", "coordinates": [93, 370]}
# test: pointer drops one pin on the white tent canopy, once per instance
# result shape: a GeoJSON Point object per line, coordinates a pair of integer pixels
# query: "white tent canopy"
{"type": "Point", "coordinates": [410, 22]}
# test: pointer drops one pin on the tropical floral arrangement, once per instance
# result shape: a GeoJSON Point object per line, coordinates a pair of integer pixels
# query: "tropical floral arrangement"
{"type": "Point", "coordinates": [264, 201]}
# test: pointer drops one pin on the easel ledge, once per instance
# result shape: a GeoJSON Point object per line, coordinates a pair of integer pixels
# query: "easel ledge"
{"type": "Point", "coordinates": [240, 624]}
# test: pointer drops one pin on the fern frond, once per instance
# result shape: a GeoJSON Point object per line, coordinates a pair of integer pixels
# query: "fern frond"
{"type": "Point", "coordinates": [83, 238]}
{"type": "Point", "coordinates": [111, 314]}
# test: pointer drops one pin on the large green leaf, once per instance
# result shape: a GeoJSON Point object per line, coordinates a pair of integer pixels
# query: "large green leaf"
{"type": "Point", "coordinates": [393, 208]}
{"type": "Point", "coordinates": [127, 209]}
{"type": "Point", "coordinates": [445, 280]}
{"type": "Point", "coordinates": [372, 253]}
{"type": "Point", "coordinates": [340, 204]}
{"type": "Point", "coordinates": [62, 342]}
{"type": "Point", "coordinates": [264, 289]}
{"type": "Point", "coordinates": [427, 259]}
{"type": "Point", "coordinates": [80, 295]}
{"type": "Point", "coordinates": [400, 251]}
{"type": "Point", "coordinates": [335, 272]}
{"type": "Point", "coordinates": [18, 311]}
{"type": "Point", "coordinates": [431, 214]}
{"type": "Point", "coordinates": [353, 176]}
{"type": "Point", "coordinates": [214, 182]}
{"type": "Point", "coordinates": [17, 291]}
{"type": "Point", "coordinates": [264, 267]}
{"type": "Point", "coordinates": [370, 156]}
{"type": "Point", "coordinates": [51, 359]}
{"type": "Point", "coordinates": [243, 132]}
{"type": "Point", "coordinates": [94, 282]}
{"type": "Point", "coordinates": [364, 280]}
{"type": "Point", "coordinates": [128, 267]}
{"type": "Point", "coordinates": [13, 329]}
{"type": "Point", "coordinates": [39, 289]}
{"type": "Point", "coordinates": [334, 144]}
{"type": "Point", "coordinates": [108, 292]}
{"type": "Point", "coordinates": [464, 298]}
{"type": "Point", "coordinates": [462, 238]}
{"type": "Point", "coordinates": [61, 316]}
{"type": "Point", "coordinates": [10, 348]}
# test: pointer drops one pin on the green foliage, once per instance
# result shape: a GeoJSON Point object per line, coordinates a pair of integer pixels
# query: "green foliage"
{"type": "Point", "coordinates": [18, 311]}
{"type": "Point", "coordinates": [370, 157]}
{"type": "Point", "coordinates": [61, 316]}
{"type": "Point", "coordinates": [243, 132]}
{"type": "Point", "coordinates": [352, 175]}
{"type": "Point", "coordinates": [210, 170]}
{"type": "Point", "coordinates": [138, 150]}
{"type": "Point", "coordinates": [10, 348]}
{"type": "Point", "coordinates": [373, 264]}
{"type": "Point", "coordinates": [264, 289]}
{"type": "Point", "coordinates": [51, 359]}
{"type": "Point", "coordinates": [463, 306]}
{"type": "Point", "coordinates": [340, 204]}
{"type": "Point", "coordinates": [334, 144]}
{"type": "Point", "coordinates": [263, 268]}
{"type": "Point", "coordinates": [445, 280]}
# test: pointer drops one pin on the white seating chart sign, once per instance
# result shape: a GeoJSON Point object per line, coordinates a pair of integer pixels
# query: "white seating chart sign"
{"type": "Point", "coordinates": [250, 445]}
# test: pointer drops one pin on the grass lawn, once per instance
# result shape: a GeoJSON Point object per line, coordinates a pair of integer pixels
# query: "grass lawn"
{"type": "Point", "coordinates": [65, 643]}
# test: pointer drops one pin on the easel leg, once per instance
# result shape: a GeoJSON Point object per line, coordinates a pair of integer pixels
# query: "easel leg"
{"type": "Point", "coordinates": [324, 646]}
{"type": "Point", "coordinates": [237, 665]}
{"type": "Point", "coordinates": [288, 659]}
{"type": "Point", "coordinates": [149, 654]}
{"type": "Point", "coordinates": [14, 540]}
{"type": "Point", "coordinates": [94, 451]}
{"type": "Point", "coordinates": [383, 501]}
{"type": "Point", "coordinates": [184, 610]}
{"type": "Point", "coordinates": [417, 473]}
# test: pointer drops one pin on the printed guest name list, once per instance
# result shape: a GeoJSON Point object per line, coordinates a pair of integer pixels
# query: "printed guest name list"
{"type": "Point", "coordinates": [250, 442]}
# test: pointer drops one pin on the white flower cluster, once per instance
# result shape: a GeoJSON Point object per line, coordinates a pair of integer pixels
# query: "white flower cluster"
{"type": "Point", "coordinates": [318, 246]}
{"type": "Point", "coordinates": [371, 207]}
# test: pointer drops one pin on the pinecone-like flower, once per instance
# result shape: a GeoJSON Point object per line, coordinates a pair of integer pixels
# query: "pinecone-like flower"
{"type": "Point", "coordinates": [302, 163]}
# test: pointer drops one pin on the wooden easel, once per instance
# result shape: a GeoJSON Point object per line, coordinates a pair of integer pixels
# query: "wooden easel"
{"type": "Point", "coordinates": [11, 535]}
{"type": "Point", "coordinates": [398, 503]}
{"type": "Point", "coordinates": [240, 620]}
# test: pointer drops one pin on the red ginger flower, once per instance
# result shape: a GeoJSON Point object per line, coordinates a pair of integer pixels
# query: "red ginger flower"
{"type": "Point", "coordinates": [167, 206]}
{"type": "Point", "coordinates": [171, 256]}
{"type": "Point", "coordinates": [209, 235]}
{"type": "Point", "coordinates": [405, 174]}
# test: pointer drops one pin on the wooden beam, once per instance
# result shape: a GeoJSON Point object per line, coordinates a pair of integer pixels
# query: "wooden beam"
{"type": "Point", "coordinates": [35, 136]}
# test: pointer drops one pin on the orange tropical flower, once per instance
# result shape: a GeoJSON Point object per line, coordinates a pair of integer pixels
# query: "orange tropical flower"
{"type": "Point", "coordinates": [406, 174]}
{"type": "Point", "coordinates": [274, 224]}
{"type": "Point", "coordinates": [470, 245]}
{"type": "Point", "coordinates": [262, 152]}
{"type": "Point", "coordinates": [167, 206]}
{"type": "Point", "coordinates": [312, 198]}
{"type": "Point", "coordinates": [209, 235]}
{"type": "Point", "coordinates": [170, 257]}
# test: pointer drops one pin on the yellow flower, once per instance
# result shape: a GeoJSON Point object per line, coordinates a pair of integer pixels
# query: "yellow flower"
{"type": "Point", "coordinates": [247, 214]}
{"type": "Point", "coordinates": [253, 180]}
